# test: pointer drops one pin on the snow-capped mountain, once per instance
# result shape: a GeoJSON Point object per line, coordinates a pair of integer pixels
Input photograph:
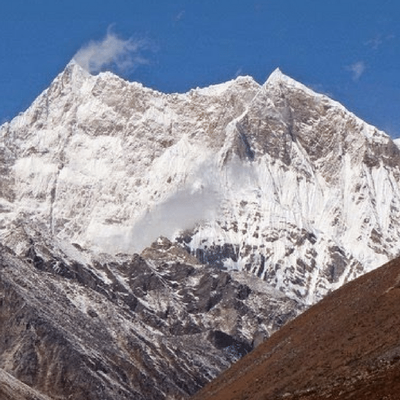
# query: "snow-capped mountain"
{"type": "Point", "coordinates": [273, 179]}
{"type": "Point", "coordinates": [247, 203]}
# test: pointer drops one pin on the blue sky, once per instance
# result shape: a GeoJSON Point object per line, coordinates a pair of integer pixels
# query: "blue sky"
{"type": "Point", "coordinates": [349, 49]}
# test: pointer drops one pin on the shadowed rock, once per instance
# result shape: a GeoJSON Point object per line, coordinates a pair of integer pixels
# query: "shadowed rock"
{"type": "Point", "coordinates": [144, 327]}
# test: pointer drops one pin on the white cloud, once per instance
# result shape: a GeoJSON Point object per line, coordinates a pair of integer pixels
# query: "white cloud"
{"type": "Point", "coordinates": [183, 210]}
{"type": "Point", "coordinates": [111, 52]}
{"type": "Point", "coordinates": [357, 69]}
{"type": "Point", "coordinates": [197, 200]}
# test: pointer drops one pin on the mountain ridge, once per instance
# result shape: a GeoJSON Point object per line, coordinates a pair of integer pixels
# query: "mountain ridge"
{"type": "Point", "coordinates": [230, 154]}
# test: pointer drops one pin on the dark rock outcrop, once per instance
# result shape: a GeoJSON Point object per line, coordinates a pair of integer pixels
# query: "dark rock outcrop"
{"type": "Point", "coordinates": [155, 326]}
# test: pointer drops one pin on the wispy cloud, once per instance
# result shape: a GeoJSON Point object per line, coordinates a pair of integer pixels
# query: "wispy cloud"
{"type": "Point", "coordinates": [238, 72]}
{"type": "Point", "coordinates": [179, 16]}
{"type": "Point", "coordinates": [320, 88]}
{"type": "Point", "coordinates": [376, 42]}
{"type": "Point", "coordinates": [357, 69]}
{"type": "Point", "coordinates": [111, 52]}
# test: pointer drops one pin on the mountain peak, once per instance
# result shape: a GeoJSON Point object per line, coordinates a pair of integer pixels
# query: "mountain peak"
{"type": "Point", "coordinates": [73, 68]}
{"type": "Point", "coordinates": [240, 82]}
{"type": "Point", "coordinates": [278, 78]}
{"type": "Point", "coordinates": [276, 75]}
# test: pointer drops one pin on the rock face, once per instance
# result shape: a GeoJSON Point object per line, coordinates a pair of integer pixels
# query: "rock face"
{"type": "Point", "coordinates": [154, 326]}
{"type": "Point", "coordinates": [13, 389]}
{"type": "Point", "coordinates": [345, 347]}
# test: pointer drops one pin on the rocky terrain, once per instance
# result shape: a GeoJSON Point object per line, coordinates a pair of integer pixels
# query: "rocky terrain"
{"type": "Point", "coordinates": [345, 347]}
{"type": "Point", "coordinates": [154, 326]}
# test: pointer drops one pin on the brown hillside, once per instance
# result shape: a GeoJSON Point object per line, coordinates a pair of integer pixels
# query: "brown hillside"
{"type": "Point", "coordinates": [345, 347]}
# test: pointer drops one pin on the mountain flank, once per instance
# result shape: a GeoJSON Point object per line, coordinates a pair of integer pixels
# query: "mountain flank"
{"type": "Point", "coordinates": [156, 326]}
{"type": "Point", "coordinates": [345, 347]}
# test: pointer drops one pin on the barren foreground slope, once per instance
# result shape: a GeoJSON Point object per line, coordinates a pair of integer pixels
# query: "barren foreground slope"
{"type": "Point", "coordinates": [345, 347]}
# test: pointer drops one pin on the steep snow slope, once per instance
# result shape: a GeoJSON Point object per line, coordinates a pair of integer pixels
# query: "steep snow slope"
{"type": "Point", "coordinates": [273, 179]}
